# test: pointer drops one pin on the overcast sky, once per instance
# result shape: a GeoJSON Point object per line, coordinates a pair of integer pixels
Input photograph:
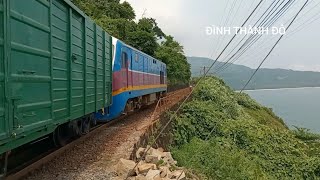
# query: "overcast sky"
{"type": "Point", "coordinates": [187, 20]}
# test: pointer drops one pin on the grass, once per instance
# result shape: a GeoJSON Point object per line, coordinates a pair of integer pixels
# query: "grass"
{"type": "Point", "coordinates": [246, 140]}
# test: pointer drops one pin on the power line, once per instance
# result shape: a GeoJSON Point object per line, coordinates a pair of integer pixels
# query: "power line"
{"type": "Point", "coordinates": [254, 38]}
{"type": "Point", "coordinates": [226, 23]}
{"type": "Point", "coordinates": [215, 44]}
{"type": "Point", "coordinates": [275, 18]}
{"type": "Point", "coordinates": [235, 34]}
{"type": "Point", "coordinates": [288, 34]}
{"type": "Point", "coordinates": [207, 138]}
{"type": "Point", "coordinates": [246, 35]}
{"type": "Point", "coordinates": [188, 96]}
{"type": "Point", "coordinates": [228, 63]}
{"type": "Point", "coordinates": [237, 11]}
{"type": "Point", "coordinates": [273, 47]}
{"type": "Point", "coordinates": [303, 26]}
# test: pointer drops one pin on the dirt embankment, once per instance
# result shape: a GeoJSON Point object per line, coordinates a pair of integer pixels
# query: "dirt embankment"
{"type": "Point", "coordinates": [97, 157]}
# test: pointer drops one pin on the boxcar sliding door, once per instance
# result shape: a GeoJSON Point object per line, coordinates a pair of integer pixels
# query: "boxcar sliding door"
{"type": "Point", "coordinates": [29, 64]}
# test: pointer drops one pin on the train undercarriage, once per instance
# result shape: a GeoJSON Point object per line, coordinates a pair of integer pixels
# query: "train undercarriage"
{"type": "Point", "coordinates": [66, 132]}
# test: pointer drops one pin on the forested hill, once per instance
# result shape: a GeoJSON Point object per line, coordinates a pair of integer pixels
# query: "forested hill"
{"type": "Point", "coordinates": [237, 75]}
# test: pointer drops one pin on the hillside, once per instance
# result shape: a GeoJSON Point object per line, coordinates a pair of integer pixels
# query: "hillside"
{"type": "Point", "coordinates": [237, 75]}
{"type": "Point", "coordinates": [221, 134]}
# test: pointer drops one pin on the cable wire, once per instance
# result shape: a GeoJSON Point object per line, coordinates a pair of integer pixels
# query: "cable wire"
{"type": "Point", "coordinates": [254, 38]}
{"type": "Point", "coordinates": [188, 96]}
{"type": "Point", "coordinates": [273, 47]}
{"type": "Point", "coordinates": [259, 66]}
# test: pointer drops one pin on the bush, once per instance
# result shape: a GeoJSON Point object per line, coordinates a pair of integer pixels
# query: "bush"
{"type": "Point", "coordinates": [198, 119]}
{"type": "Point", "coordinates": [305, 134]}
{"type": "Point", "coordinates": [225, 135]}
{"type": "Point", "coordinates": [245, 101]}
{"type": "Point", "coordinates": [218, 160]}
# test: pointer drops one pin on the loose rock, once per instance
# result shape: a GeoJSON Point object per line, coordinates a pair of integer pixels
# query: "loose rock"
{"type": "Point", "coordinates": [125, 166]}
{"type": "Point", "coordinates": [176, 174]}
{"type": "Point", "coordinates": [141, 177]}
{"type": "Point", "coordinates": [140, 152]}
{"type": "Point", "coordinates": [152, 174]}
{"type": "Point", "coordinates": [153, 159]}
{"type": "Point", "coordinates": [144, 168]}
{"type": "Point", "coordinates": [164, 171]}
{"type": "Point", "coordinates": [150, 168]}
{"type": "Point", "coordinates": [155, 152]}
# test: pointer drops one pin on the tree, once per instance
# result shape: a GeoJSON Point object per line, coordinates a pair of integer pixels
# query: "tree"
{"type": "Point", "coordinates": [118, 20]}
{"type": "Point", "coordinates": [119, 28]}
{"type": "Point", "coordinates": [96, 9]}
{"type": "Point", "coordinates": [178, 68]}
{"type": "Point", "coordinates": [150, 25]}
{"type": "Point", "coordinates": [144, 41]}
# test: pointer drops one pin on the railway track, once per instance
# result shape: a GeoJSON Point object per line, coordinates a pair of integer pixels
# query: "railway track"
{"type": "Point", "coordinates": [162, 105]}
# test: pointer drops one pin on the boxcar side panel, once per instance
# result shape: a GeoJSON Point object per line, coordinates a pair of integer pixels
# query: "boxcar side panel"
{"type": "Point", "coordinates": [77, 65]}
{"type": "Point", "coordinates": [91, 67]}
{"type": "Point", "coordinates": [60, 60]}
{"type": "Point", "coordinates": [29, 65]}
{"type": "Point", "coordinates": [3, 123]}
{"type": "Point", "coordinates": [108, 69]}
{"type": "Point", "coordinates": [100, 69]}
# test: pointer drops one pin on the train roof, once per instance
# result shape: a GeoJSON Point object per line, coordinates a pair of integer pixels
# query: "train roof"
{"type": "Point", "coordinates": [84, 15]}
{"type": "Point", "coordinates": [138, 50]}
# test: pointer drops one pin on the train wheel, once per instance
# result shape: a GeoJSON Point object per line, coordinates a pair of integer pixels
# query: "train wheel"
{"type": "Point", "coordinates": [93, 120]}
{"type": "Point", "coordinates": [61, 136]}
{"type": "Point", "coordinates": [86, 121]}
{"type": "Point", "coordinates": [3, 165]}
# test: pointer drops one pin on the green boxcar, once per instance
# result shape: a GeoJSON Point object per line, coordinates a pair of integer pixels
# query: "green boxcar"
{"type": "Point", "coordinates": [55, 66]}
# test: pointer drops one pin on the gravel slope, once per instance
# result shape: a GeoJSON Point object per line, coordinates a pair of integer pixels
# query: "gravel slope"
{"type": "Point", "coordinates": [96, 157]}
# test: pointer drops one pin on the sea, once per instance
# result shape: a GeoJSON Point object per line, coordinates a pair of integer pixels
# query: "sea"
{"type": "Point", "coordinates": [296, 106]}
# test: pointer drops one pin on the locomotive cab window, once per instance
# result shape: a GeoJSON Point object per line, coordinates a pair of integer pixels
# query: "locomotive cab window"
{"type": "Point", "coordinates": [124, 60]}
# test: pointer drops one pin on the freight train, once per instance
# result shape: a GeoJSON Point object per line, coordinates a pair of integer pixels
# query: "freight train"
{"type": "Point", "coordinates": [60, 73]}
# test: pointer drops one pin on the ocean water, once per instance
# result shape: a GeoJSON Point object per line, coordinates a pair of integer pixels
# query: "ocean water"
{"type": "Point", "coordinates": [297, 106]}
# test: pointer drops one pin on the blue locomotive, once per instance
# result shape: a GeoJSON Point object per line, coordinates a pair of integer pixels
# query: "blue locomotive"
{"type": "Point", "coordinates": [138, 80]}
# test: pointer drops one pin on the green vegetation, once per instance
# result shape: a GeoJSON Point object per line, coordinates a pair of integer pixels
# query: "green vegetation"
{"type": "Point", "coordinates": [118, 19]}
{"type": "Point", "coordinates": [246, 140]}
{"type": "Point", "coordinates": [237, 75]}
{"type": "Point", "coordinates": [305, 134]}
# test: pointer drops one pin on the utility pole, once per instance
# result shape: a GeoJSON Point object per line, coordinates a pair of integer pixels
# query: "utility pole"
{"type": "Point", "coordinates": [144, 13]}
{"type": "Point", "coordinates": [204, 70]}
